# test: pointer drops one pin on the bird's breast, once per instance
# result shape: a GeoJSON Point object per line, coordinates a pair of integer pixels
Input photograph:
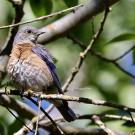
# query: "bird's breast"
{"type": "Point", "coordinates": [28, 70]}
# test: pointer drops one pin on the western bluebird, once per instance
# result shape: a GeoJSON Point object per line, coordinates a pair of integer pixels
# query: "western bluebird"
{"type": "Point", "coordinates": [31, 66]}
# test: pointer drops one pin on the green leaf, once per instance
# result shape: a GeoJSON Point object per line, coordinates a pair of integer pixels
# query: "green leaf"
{"type": "Point", "coordinates": [133, 55]}
{"type": "Point", "coordinates": [42, 7]}
{"type": "Point", "coordinates": [15, 126]}
{"type": "Point", "coordinates": [71, 3]}
{"type": "Point", "coordinates": [128, 124]}
{"type": "Point", "coordinates": [3, 130]}
{"type": "Point", "coordinates": [123, 37]}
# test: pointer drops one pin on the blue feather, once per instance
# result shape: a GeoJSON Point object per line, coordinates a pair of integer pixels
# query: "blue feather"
{"type": "Point", "coordinates": [67, 113]}
{"type": "Point", "coordinates": [47, 58]}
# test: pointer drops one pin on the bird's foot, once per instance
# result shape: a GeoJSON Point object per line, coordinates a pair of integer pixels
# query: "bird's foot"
{"type": "Point", "coordinates": [30, 92]}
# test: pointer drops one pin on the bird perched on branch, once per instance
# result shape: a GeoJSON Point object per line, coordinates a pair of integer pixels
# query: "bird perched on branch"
{"type": "Point", "coordinates": [31, 67]}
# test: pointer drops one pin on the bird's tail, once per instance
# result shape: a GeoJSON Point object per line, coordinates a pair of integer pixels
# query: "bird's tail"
{"type": "Point", "coordinates": [66, 112]}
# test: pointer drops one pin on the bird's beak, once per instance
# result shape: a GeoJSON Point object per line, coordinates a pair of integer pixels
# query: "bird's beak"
{"type": "Point", "coordinates": [40, 32]}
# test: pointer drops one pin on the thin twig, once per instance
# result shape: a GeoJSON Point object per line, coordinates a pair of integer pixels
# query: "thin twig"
{"type": "Point", "coordinates": [41, 120]}
{"type": "Point", "coordinates": [130, 114]}
{"type": "Point", "coordinates": [6, 48]}
{"type": "Point", "coordinates": [48, 116]}
{"type": "Point", "coordinates": [72, 130]}
{"type": "Point", "coordinates": [123, 70]}
{"type": "Point", "coordinates": [100, 56]}
{"type": "Point", "coordinates": [88, 116]}
{"type": "Point", "coordinates": [39, 106]}
{"type": "Point", "coordinates": [125, 53]}
{"type": "Point", "coordinates": [63, 25]}
{"type": "Point", "coordinates": [87, 101]}
{"type": "Point", "coordinates": [107, 117]}
{"type": "Point", "coordinates": [19, 120]}
{"type": "Point", "coordinates": [97, 121]}
{"type": "Point", "coordinates": [83, 54]}
{"type": "Point", "coordinates": [12, 31]}
{"type": "Point", "coordinates": [48, 110]}
{"type": "Point", "coordinates": [42, 17]}
{"type": "Point", "coordinates": [60, 27]}
{"type": "Point", "coordinates": [33, 122]}
{"type": "Point", "coordinates": [21, 108]}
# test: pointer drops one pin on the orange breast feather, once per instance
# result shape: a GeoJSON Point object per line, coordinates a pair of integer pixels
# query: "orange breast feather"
{"type": "Point", "coordinates": [28, 68]}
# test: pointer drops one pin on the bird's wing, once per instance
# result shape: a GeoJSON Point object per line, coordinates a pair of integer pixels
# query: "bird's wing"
{"type": "Point", "coordinates": [48, 59]}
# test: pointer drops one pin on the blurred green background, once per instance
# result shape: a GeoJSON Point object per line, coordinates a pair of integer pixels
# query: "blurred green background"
{"type": "Point", "coordinates": [97, 79]}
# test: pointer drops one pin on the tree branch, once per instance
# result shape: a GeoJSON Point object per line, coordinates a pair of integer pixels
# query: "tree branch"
{"type": "Point", "coordinates": [97, 121]}
{"type": "Point", "coordinates": [106, 117]}
{"type": "Point", "coordinates": [18, 6]}
{"type": "Point", "coordinates": [81, 99]}
{"type": "Point", "coordinates": [56, 127]}
{"type": "Point", "coordinates": [46, 122]}
{"type": "Point", "coordinates": [100, 56]}
{"type": "Point", "coordinates": [83, 54]}
{"type": "Point", "coordinates": [21, 108]}
{"type": "Point", "coordinates": [69, 98]}
{"type": "Point", "coordinates": [62, 97]}
{"type": "Point", "coordinates": [70, 130]}
{"type": "Point", "coordinates": [42, 17]}
{"type": "Point", "coordinates": [61, 26]}
{"type": "Point", "coordinates": [56, 29]}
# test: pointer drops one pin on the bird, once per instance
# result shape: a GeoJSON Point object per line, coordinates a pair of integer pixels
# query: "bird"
{"type": "Point", "coordinates": [31, 67]}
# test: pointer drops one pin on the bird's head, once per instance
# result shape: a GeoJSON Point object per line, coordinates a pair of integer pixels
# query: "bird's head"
{"type": "Point", "coordinates": [27, 33]}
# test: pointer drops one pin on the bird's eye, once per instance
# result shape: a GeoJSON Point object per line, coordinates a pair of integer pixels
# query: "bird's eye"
{"type": "Point", "coordinates": [29, 31]}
